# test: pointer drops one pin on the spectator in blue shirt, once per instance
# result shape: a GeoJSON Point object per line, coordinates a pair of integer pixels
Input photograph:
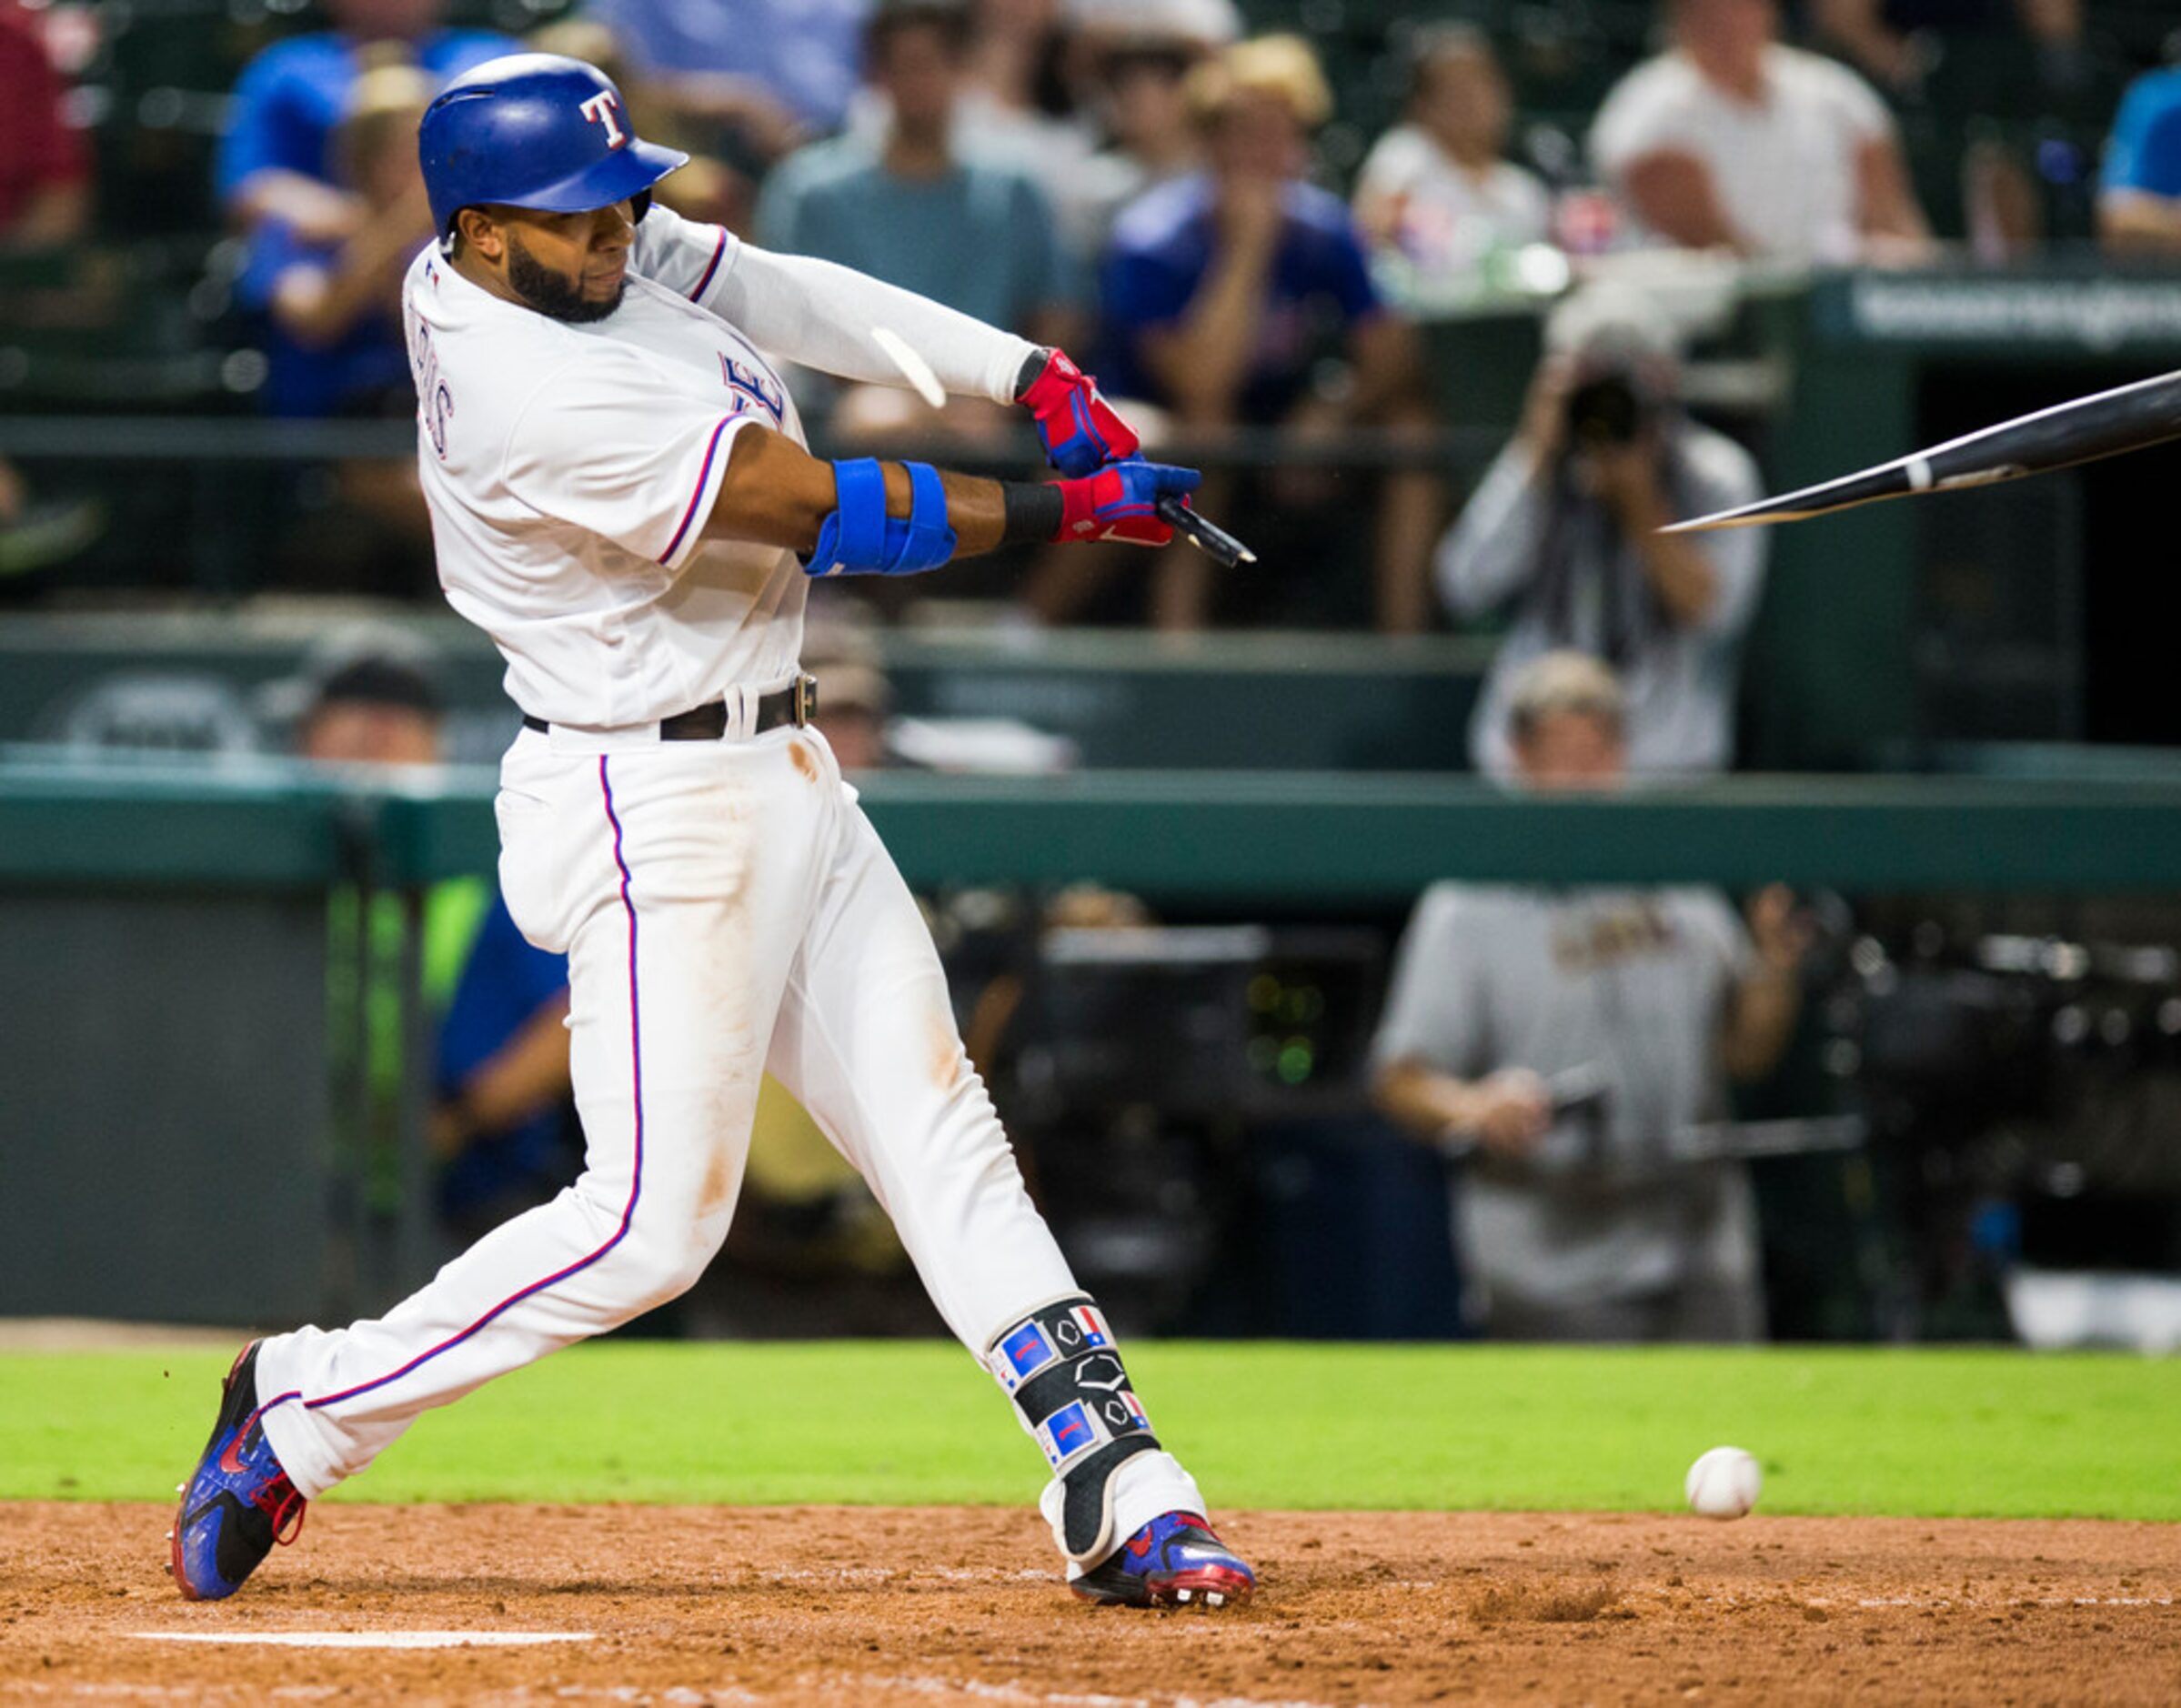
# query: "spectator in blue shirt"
{"type": "Point", "coordinates": [334, 341]}
{"type": "Point", "coordinates": [1226, 292]}
{"type": "Point", "coordinates": [914, 205]}
{"type": "Point", "coordinates": [2139, 203]}
{"type": "Point", "coordinates": [502, 1117]}
{"type": "Point", "coordinates": [774, 69]}
{"type": "Point", "coordinates": [276, 158]}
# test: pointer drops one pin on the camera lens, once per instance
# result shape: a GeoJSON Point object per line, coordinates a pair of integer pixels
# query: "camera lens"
{"type": "Point", "coordinates": [1607, 410]}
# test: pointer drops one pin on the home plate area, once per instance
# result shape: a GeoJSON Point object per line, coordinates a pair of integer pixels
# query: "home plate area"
{"type": "Point", "coordinates": [370, 1639]}
{"type": "Point", "coordinates": [893, 1605]}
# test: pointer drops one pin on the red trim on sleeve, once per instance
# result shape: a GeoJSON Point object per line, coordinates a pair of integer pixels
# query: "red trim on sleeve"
{"type": "Point", "coordinates": [704, 479]}
{"type": "Point", "coordinates": [712, 267]}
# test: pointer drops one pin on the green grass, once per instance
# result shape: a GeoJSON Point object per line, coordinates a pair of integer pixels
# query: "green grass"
{"type": "Point", "coordinates": [1927, 1432]}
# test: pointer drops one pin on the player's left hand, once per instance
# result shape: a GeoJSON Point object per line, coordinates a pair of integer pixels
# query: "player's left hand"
{"type": "Point", "coordinates": [1121, 502]}
{"type": "Point", "coordinates": [1077, 426]}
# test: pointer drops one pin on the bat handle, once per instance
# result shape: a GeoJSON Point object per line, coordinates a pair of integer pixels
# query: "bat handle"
{"type": "Point", "coordinates": [1207, 537]}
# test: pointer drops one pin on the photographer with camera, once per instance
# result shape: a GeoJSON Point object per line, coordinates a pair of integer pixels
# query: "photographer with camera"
{"type": "Point", "coordinates": [1571, 1047]}
{"type": "Point", "coordinates": [1563, 529]}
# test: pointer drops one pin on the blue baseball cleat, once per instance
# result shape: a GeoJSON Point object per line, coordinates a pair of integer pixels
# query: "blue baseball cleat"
{"type": "Point", "coordinates": [237, 1500]}
{"type": "Point", "coordinates": [1173, 1561]}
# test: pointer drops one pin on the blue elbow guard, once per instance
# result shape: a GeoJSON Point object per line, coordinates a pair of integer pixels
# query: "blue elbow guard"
{"type": "Point", "coordinates": [861, 539]}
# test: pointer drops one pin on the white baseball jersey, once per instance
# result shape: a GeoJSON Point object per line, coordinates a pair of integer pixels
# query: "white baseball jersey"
{"type": "Point", "coordinates": [570, 470]}
{"type": "Point", "coordinates": [1784, 168]}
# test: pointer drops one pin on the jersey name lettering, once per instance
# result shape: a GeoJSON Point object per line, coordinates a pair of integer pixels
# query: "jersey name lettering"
{"type": "Point", "coordinates": [435, 403]}
{"type": "Point", "coordinates": [598, 109]}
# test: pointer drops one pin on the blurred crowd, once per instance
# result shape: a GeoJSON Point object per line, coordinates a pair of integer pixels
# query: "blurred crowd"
{"type": "Point", "coordinates": [1253, 236]}
{"type": "Point", "coordinates": [1184, 204]}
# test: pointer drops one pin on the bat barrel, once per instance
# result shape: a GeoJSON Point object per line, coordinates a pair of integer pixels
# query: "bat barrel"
{"type": "Point", "coordinates": [2127, 419]}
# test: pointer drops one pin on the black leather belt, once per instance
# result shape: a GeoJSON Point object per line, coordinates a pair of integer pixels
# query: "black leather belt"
{"type": "Point", "coordinates": [796, 704]}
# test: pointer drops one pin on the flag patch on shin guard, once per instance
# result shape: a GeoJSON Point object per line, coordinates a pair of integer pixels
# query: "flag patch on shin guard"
{"type": "Point", "coordinates": [1022, 1355]}
{"type": "Point", "coordinates": [1067, 1381]}
{"type": "Point", "coordinates": [1066, 1433]}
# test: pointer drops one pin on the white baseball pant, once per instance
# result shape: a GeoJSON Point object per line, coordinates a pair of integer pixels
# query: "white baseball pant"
{"type": "Point", "coordinates": [726, 909]}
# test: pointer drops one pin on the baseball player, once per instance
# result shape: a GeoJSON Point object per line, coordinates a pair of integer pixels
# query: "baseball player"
{"type": "Point", "coordinates": [621, 497]}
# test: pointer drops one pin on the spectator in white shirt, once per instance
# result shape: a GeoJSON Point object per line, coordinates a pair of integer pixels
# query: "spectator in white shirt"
{"type": "Point", "coordinates": [1435, 198]}
{"type": "Point", "coordinates": [1731, 140]}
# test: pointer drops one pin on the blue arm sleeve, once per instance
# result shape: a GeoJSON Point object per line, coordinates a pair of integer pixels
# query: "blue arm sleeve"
{"type": "Point", "coordinates": [859, 539]}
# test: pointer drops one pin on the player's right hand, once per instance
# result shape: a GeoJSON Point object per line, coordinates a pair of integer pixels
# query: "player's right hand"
{"type": "Point", "coordinates": [1120, 502]}
{"type": "Point", "coordinates": [1077, 425]}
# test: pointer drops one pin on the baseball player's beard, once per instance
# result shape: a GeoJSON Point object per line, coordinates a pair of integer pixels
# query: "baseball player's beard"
{"type": "Point", "coordinates": [552, 295]}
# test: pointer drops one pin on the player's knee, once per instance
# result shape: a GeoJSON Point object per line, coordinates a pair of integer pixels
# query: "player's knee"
{"type": "Point", "coordinates": [662, 1259]}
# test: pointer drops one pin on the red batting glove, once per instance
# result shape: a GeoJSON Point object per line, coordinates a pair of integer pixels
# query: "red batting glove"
{"type": "Point", "coordinates": [1077, 426]}
{"type": "Point", "coordinates": [1120, 502]}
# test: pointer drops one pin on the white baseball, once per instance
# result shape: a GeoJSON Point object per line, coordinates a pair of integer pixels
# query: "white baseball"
{"type": "Point", "coordinates": [1723, 1483]}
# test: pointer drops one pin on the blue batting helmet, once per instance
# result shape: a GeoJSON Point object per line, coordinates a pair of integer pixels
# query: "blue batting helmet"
{"type": "Point", "coordinates": [535, 130]}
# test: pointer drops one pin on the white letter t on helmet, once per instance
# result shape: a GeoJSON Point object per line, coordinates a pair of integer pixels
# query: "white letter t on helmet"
{"type": "Point", "coordinates": [598, 109]}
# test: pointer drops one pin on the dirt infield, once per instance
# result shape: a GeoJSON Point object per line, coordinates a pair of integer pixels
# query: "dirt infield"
{"type": "Point", "coordinates": [889, 1606]}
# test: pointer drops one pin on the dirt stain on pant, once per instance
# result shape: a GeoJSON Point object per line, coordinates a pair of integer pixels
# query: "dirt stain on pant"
{"type": "Point", "coordinates": [947, 1057]}
{"type": "Point", "coordinates": [719, 1189]}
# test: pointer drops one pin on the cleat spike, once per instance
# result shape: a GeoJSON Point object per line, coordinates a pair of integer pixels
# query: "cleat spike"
{"type": "Point", "coordinates": [1213, 1598]}
{"type": "Point", "coordinates": [1182, 1595]}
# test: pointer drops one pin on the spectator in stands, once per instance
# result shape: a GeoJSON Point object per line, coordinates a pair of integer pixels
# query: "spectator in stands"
{"type": "Point", "coordinates": [1225, 292]}
{"type": "Point", "coordinates": [1016, 82]}
{"type": "Point", "coordinates": [1436, 198]}
{"type": "Point", "coordinates": [45, 202]}
{"type": "Point", "coordinates": [275, 160]}
{"type": "Point", "coordinates": [2140, 199]}
{"type": "Point", "coordinates": [45, 181]}
{"type": "Point", "coordinates": [1563, 530]}
{"type": "Point", "coordinates": [329, 315]}
{"type": "Point", "coordinates": [336, 345]}
{"type": "Point", "coordinates": [1731, 140]}
{"type": "Point", "coordinates": [1566, 1041]}
{"type": "Point", "coordinates": [1139, 57]}
{"type": "Point", "coordinates": [2036, 101]}
{"type": "Point", "coordinates": [774, 71]}
{"type": "Point", "coordinates": [916, 207]}
{"type": "Point", "coordinates": [503, 1119]}
{"type": "Point", "coordinates": [369, 706]}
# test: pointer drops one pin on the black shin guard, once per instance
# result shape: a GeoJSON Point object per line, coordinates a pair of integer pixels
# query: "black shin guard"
{"type": "Point", "coordinates": [1061, 1366]}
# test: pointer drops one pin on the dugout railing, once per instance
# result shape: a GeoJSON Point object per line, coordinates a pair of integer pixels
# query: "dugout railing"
{"type": "Point", "coordinates": [193, 961]}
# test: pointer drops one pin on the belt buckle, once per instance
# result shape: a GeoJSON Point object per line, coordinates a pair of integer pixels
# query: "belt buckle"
{"type": "Point", "coordinates": [806, 699]}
